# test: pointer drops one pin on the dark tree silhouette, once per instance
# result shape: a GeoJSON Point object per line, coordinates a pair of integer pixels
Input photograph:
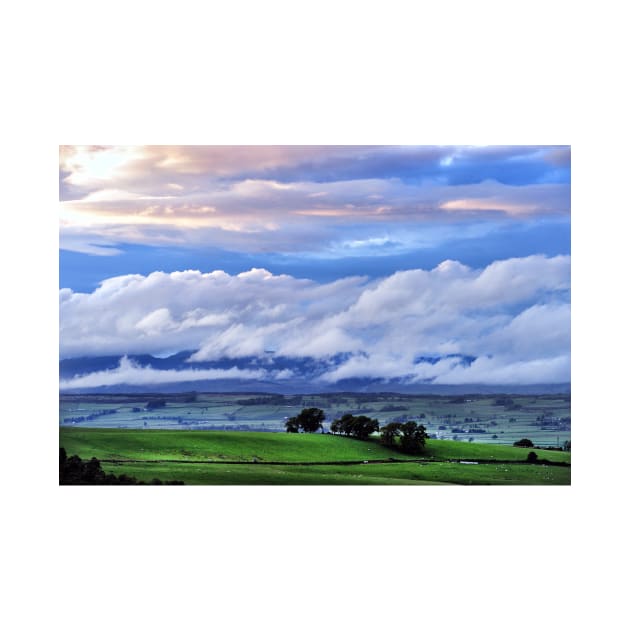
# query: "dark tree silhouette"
{"type": "Point", "coordinates": [309, 420]}
{"type": "Point", "coordinates": [412, 436]}
{"type": "Point", "coordinates": [389, 433]}
{"type": "Point", "coordinates": [524, 443]}
{"type": "Point", "coordinates": [360, 427]}
{"type": "Point", "coordinates": [292, 425]}
{"type": "Point", "coordinates": [74, 471]}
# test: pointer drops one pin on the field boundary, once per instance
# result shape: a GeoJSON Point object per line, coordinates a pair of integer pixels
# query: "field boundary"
{"type": "Point", "coordinates": [333, 463]}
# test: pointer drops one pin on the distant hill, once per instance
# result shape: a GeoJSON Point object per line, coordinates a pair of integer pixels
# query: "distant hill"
{"type": "Point", "coordinates": [305, 377]}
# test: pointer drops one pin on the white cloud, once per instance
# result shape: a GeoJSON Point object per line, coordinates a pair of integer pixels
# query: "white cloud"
{"type": "Point", "coordinates": [502, 370]}
{"type": "Point", "coordinates": [130, 373]}
{"type": "Point", "coordinates": [514, 315]}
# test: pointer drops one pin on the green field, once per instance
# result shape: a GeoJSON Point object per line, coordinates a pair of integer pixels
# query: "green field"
{"type": "Point", "coordinates": [249, 458]}
{"type": "Point", "coordinates": [486, 419]}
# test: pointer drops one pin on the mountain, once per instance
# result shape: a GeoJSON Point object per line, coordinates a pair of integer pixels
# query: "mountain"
{"type": "Point", "coordinates": [300, 376]}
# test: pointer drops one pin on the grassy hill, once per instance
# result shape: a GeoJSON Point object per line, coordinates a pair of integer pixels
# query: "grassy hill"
{"type": "Point", "coordinates": [218, 457]}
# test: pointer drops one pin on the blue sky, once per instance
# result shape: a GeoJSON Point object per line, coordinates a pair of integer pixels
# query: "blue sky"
{"type": "Point", "coordinates": [83, 272]}
{"type": "Point", "coordinates": [283, 225]}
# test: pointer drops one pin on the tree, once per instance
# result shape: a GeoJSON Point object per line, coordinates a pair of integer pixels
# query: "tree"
{"type": "Point", "coordinates": [292, 425]}
{"type": "Point", "coordinates": [524, 443]}
{"type": "Point", "coordinates": [532, 458]}
{"type": "Point", "coordinates": [336, 426]}
{"type": "Point", "coordinates": [309, 420]}
{"type": "Point", "coordinates": [364, 427]}
{"type": "Point", "coordinates": [360, 427]}
{"type": "Point", "coordinates": [390, 432]}
{"type": "Point", "coordinates": [412, 436]}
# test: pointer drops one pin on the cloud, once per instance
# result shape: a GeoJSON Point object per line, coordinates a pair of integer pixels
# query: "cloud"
{"type": "Point", "coordinates": [143, 168]}
{"type": "Point", "coordinates": [218, 313]}
{"type": "Point", "coordinates": [253, 199]}
{"type": "Point", "coordinates": [513, 316]}
{"type": "Point", "coordinates": [265, 215]}
{"type": "Point", "coordinates": [500, 371]}
{"type": "Point", "coordinates": [130, 373]}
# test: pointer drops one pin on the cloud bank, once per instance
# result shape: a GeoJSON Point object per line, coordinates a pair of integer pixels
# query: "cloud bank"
{"type": "Point", "coordinates": [129, 373]}
{"type": "Point", "coordinates": [513, 316]}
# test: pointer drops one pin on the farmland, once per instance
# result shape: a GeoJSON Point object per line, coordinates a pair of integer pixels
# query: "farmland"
{"type": "Point", "coordinates": [479, 419]}
{"type": "Point", "coordinates": [250, 458]}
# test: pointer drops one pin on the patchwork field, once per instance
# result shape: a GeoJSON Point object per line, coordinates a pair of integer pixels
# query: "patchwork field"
{"type": "Point", "coordinates": [497, 419]}
{"type": "Point", "coordinates": [217, 457]}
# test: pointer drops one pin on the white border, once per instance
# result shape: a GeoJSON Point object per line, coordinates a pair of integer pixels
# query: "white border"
{"type": "Point", "coordinates": [280, 72]}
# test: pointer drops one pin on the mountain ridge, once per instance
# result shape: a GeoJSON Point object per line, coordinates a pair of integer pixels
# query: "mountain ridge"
{"type": "Point", "coordinates": [304, 378]}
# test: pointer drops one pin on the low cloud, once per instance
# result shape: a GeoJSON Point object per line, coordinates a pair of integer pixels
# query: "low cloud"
{"type": "Point", "coordinates": [508, 371]}
{"type": "Point", "coordinates": [513, 316]}
{"type": "Point", "coordinates": [130, 373]}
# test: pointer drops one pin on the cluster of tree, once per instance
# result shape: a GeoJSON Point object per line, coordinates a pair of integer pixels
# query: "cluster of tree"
{"type": "Point", "coordinates": [524, 443]}
{"type": "Point", "coordinates": [308, 420]}
{"type": "Point", "coordinates": [411, 436]}
{"type": "Point", "coordinates": [360, 427]}
{"type": "Point", "coordinates": [74, 471]}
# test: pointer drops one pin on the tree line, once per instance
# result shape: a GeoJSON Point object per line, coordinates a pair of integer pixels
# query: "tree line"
{"type": "Point", "coordinates": [409, 437]}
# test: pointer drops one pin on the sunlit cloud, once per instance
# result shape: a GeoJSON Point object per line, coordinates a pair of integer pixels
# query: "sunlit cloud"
{"type": "Point", "coordinates": [327, 212]}
{"type": "Point", "coordinates": [280, 213]}
{"type": "Point", "coordinates": [493, 205]}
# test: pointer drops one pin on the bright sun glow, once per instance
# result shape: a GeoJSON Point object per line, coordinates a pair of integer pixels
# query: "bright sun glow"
{"type": "Point", "coordinates": [94, 165]}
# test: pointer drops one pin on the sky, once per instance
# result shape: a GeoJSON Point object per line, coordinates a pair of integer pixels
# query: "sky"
{"type": "Point", "coordinates": [382, 254]}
